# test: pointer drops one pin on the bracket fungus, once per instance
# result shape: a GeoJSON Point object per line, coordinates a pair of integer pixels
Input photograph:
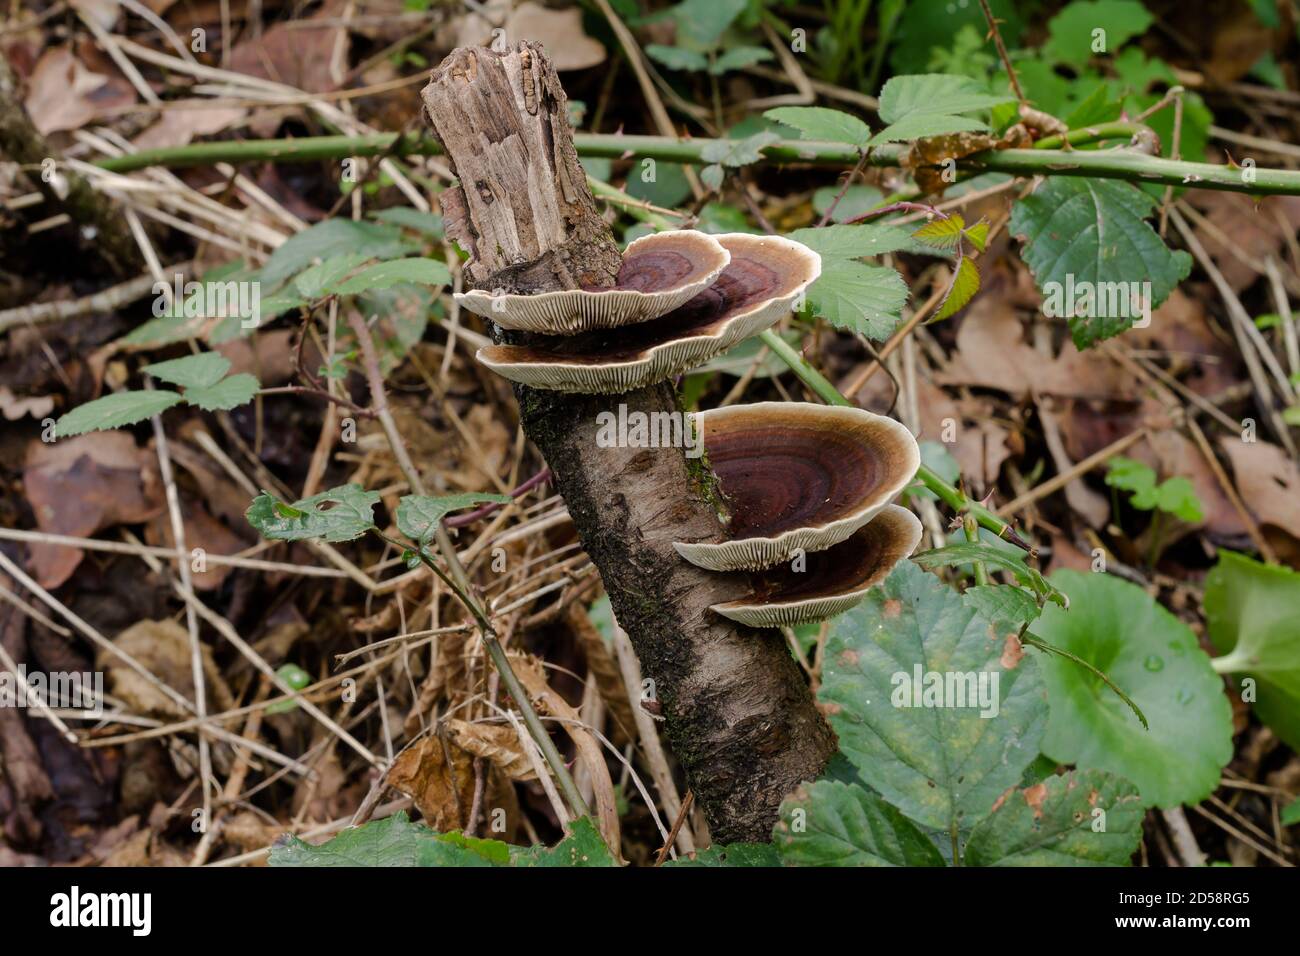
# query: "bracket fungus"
{"type": "Point", "coordinates": [660, 272]}
{"type": "Point", "coordinates": [763, 280]}
{"type": "Point", "coordinates": [834, 580]}
{"type": "Point", "coordinates": [798, 477]}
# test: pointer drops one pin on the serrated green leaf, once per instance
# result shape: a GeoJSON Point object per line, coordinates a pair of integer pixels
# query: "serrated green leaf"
{"type": "Point", "coordinates": [418, 515]}
{"type": "Point", "coordinates": [828, 823]}
{"type": "Point", "coordinates": [676, 58]}
{"type": "Point", "coordinates": [712, 176]}
{"type": "Point", "coordinates": [114, 411]}
{"type": "Point", "coordinates": [1251, 615]}
{"type": "Point", "coordinates": [855, 242]}
{"type": "Point", "coordinates": [945, 765]}
{"type": "Point", "coordinates": [1072, 30]}
{"type": "Point", "coordinates": [859, 297]}
{"type": "Point", "coordinates": [978, 234]}
{"type": "Point", "coordinates": [1154, 657]}
{"type": "Point", "coordinates": [582, 846]}
{"type": "Point", "coordinates": [384, 275]}
{"type": "Point", "coordinates": [942, 233]}
{"type": "Point", "coordinates": [820, 123]}
{"type": "Point", "coordinates": [931, 104]}
{"type": "Point", "coordinates": [1005, 606]}
{"type": "Point", "coordinates": [192, 371]}
{"type": "Point", "coordinates": [1088, 237]}
{"type": "Point", "coordinates": [319, 280]}
{"type": "Point", "coordinates": [340, 514]}
{"type": "Point", "coordinates": [1084, 818]}
{"type": "Point", "coordinates": [393, 841]}
{"type": "Point", "coordinates": [227, 394]}
{"type": "Point", "coordinates": [334, 237]}
{"type": "Point", "coordinates": [965, 283]}
{"type": "Point", "coordinates": [731, 855]}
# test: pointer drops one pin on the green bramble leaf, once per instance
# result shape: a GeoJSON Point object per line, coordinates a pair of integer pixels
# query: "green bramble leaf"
{"type": "Point", "coordinates": [731, 855]}
{"type": "Point", "coordinates": [582, 846]}
{"type": "Point", "coordinates": [334, 237]}
{"type": "Point", "coordinates": [965, 283]}
{"type": "Point", "coordinates": [1084, 818]}
{"type": "Point", "coordinates": [820, 123]}
{"type": "Point", "coordinates": [114, 411]}
{"type": "Point", "coordinates": [393, 841]}
{"type": "Point", "coordinates": [1087, 240]}
{"type": "Point", "coordinates": [942, 759]}
{"type": "Point", "coordinates": [1251, 615]}
{"type": "Point", "coordinates": [227, 394]}
{"type": "Point", "coordinates": [192, 371]}
{"type": "Point", "coordinates": [418, 515]}
{"type": "Point", "coordinates": [319, 280]}
{"type": "Point", "coordinates": [931, 104]}
{"type": "Point", "coordinates": [340, 514]}
{"type": "Point", "coordinates": [1156, 659]}
{"type": "Point", "coordinates": [385, 275]}
{"type": "Point", "coordinates": [846, 825]}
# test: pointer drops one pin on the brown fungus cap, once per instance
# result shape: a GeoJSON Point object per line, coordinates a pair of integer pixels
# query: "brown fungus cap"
{"type": "Point", "coordinates": [832, 581]}
{"type": "Point", "coordinates": [798, 476]}
{"type": "Point", "coordinates": [659, 272]}
{"type": "Point", "coordinates": [764, 279]}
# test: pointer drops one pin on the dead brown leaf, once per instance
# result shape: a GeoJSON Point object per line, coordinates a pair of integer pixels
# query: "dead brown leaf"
{"type": "Point", "coordinates": [64, 93]}
{"type": "Point", "coordinates": [162, 648]}
{"type": "Point", "coordinates": [442, 790]}
{"type": "Point", "coordinates": [495, 742]}
{"type": "Point", "coordinates": [1268, 480]}
{"type": "Point", "coordinates": [78, 486]}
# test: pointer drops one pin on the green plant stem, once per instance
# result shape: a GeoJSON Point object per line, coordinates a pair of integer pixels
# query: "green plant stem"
{"type": "Point", "coordinates": [954, 498]}
{"type": "Point", "coordinates": [1126, 164]}
{"type": "Point", "coordinates": [972, 530]}
{"type": "Point", "coordinates": [1042, 645]}
{"type": "Point", "coordinates": [1233, 663]}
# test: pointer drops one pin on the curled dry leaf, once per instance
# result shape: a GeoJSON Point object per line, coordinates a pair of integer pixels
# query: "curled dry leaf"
{"type": "Point", "coordinates": [439, 777]}
{"type": "Point", "coordinates": [497, 743]}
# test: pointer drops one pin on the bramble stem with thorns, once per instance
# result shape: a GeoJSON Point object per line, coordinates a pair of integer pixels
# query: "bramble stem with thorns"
{"type": "Point", "coordinates": [1132, 165]}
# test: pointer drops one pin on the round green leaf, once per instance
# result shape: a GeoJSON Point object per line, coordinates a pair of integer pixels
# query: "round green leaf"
{"type": "Point", "coordinates": [1123, 632]}
{"type": "Point", "coordinates": [1252, 613]}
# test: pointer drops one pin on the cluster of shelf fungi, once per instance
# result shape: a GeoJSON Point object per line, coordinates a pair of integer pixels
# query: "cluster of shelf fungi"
{"type": "Point", "coordinates": [808, 487]}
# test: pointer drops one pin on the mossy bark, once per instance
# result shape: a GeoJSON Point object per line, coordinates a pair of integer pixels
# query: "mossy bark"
{"type": "Point", "coordinates": [739, 715]}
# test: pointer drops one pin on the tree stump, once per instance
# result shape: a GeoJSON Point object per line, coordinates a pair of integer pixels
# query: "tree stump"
{"type": "Point", "coordinates": [739, 715]}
